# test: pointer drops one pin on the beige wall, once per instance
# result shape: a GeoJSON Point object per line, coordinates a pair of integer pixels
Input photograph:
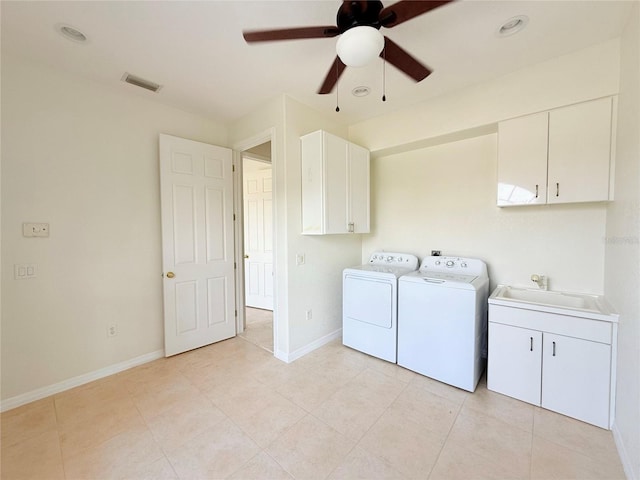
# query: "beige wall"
{"type": "Point", "coordinates": [583, 75]}
{"type": "Point", "coordinates": [83, 158]}
{"type": "Point", "coordinates": [444, 198]}
{"type": "Point", "coordinates": [316, 285]}
{"type": "Point", "coordinates": [244, 133]}
{"type": "Point", "coordinates": [622, 260]}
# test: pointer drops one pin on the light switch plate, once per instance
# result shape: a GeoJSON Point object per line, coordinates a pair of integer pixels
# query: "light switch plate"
{"type": "Point", "coordinates": [23, 271]}
{"type": "Point", "coordinates": [35, 229]}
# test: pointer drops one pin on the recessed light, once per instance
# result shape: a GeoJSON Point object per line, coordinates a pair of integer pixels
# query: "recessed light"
{"type": "Point", "coordinates": [513, 25]}
{"type": "Point", "coordinates": [71, 33]}
{"type": "Point", "coordinates": [361, 91]}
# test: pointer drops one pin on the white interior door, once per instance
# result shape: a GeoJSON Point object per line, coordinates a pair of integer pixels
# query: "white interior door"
{"type": "Point", "coordinates": [197, 243]}
{"type": "Point", "coordinates": [258, 238]}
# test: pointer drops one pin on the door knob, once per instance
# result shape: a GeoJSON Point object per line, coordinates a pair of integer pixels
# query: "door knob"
{"type": "Point", "coordinates": [170, 274]}
{"type": "Point", "coordinates": [246, 256]}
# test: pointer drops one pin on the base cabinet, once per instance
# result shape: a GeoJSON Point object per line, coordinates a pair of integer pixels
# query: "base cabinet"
{"type": "Point", "coordinates": [515, 356]}
{"type": "Point", "coordinates": [569, 373]}
{"type": "Point", "coordinates": [575, 378]}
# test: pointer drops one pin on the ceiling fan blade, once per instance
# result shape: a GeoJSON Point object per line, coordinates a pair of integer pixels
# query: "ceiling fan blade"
{"type": "Point", "coordinates": [401, 59]}
{"type": "Point", "coordinates": [332, 76]}
{"type": "Point", "coordinates": [406, 10]}
{"type": "Point", "coordinates": [290, 34]}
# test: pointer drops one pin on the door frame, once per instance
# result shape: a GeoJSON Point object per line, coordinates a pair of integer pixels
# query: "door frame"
{"type": "Point", "coordinates": [238, 208]}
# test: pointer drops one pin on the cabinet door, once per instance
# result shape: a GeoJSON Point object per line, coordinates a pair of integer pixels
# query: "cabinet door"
{"type": "Point", "coordinates": [579, 152]}
{"type": "Point", "coordinates": [575, 378]}
{"type": "Point", "coordinates": [358, 194]}
{"type": "Point", "coordinates": [522, 160]}
{"type": "Point", "coordinates": [514, 364]}
{"type": "Point", "coordinates": [312, 165]}
{"type": "Point", "coordinates": [335, 184]}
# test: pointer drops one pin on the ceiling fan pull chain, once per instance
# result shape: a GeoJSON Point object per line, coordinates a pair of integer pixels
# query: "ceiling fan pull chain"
{"type": "Point", "coordinates": [384, 76]}
{"type": "Point", "coordinates": [337, 85]}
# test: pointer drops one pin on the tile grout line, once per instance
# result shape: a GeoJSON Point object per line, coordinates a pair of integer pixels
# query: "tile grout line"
{"type": "Point", "coordinates": [446, 439]}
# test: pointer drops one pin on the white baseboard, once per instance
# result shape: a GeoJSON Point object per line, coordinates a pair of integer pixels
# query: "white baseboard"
{"type": "Point", "coordinates": [47, 391]}
{"type": "Point", "coordinates": [301, 352]}
{"type": "Point", "coordinates": [624, 456]}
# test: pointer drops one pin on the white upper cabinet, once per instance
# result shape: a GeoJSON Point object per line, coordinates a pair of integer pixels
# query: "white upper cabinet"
{"type": "Point", "coordinates": [335, 185]}
{"type": "Point", "coordinates": [580, 152]}
{"type": "Point", "coordinates": [560, 156]}
{"type": "Point", "coordinates": [522, 160]}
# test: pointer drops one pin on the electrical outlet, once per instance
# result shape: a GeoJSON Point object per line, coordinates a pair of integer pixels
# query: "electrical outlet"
{"type": "Point", "coordinates": [112, 330]}
{"type": "Point", "coordinates": [309, 314]}
{"type": "Point", "coordinates": [435, 253]}
{"type": "Point", "coordinates": [300, 259]}
{"type": "Point", "coordinates": [35, 229]}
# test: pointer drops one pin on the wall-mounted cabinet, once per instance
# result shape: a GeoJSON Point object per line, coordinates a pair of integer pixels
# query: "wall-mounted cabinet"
{"type": "Point", "coordinates": [560, 156]}
{"type": "Point", "coordinates": [335, 185]}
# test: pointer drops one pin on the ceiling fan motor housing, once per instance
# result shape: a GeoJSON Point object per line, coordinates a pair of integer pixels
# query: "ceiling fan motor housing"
{"type": "Point", "coordinates": [358, 13]}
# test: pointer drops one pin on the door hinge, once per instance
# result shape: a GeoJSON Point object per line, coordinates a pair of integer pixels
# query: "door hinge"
{"type": "Point", "coordinates": [236, 313]}
{"type": "Point", "coordinates": [234, 217]}
{"type": "Point", "coordinates": [233, 168]}
{"type": "Point", "coordinates": [235, 265]}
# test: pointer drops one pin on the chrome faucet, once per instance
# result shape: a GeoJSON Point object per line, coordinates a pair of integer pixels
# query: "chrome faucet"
{"type": "Point", "coordinates": [540, 280]}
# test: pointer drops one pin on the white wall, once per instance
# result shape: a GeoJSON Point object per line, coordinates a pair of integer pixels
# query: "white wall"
{"type": "Point", "coordinates": [586, 74]}
{"type": "Point", "coordinates": [83, 158]}
{"type": "Point", "coordinates": [316, 285]}
{"type": "Point", "coordinates": [444, 198]}
{"type": "Point", "coordinates": [270, 117]}
{"type": "Point", "coordinates": [622, 260]}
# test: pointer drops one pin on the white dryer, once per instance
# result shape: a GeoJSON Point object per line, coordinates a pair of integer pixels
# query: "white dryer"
{"type": "Point", "coordinates": [369, 303]}
{"type": "Point", "coordinates": [442, 320]}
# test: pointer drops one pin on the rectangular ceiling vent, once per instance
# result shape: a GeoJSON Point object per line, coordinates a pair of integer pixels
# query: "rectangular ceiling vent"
{"type": "Point", "coordinates": [140, 82]}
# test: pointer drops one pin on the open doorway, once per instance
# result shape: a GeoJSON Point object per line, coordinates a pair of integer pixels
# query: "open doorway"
{"type": "Point", "coordinates": [257, 202]}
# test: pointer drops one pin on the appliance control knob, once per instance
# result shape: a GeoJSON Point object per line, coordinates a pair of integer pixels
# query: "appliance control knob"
{"type": "Point", "coordinates": [399, 259]}
{"type": "Point", "coordinates": [437, 262]}
{"type": "Point", "coordinates": [389, 258]}
{"type": "Point", "coordinates": [463, 265]}
{"type": "Point", "coordinates": [450, 263]}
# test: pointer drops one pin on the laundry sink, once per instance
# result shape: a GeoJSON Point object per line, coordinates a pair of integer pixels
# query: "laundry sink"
{"type": "Point", "coordinates": [546, 300]}
{"type": "Point", "coordinates": [556, 299]}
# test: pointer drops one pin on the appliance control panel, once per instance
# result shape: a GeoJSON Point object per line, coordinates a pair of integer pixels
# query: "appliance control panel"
{"type": "Point", "coordinates": [405, 260]}
{"type": "Point", "coordinates": [467, 266]}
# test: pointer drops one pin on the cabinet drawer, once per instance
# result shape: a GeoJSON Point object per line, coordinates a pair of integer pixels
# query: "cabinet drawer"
{"type": "Point", "coordinates": [571, 326]}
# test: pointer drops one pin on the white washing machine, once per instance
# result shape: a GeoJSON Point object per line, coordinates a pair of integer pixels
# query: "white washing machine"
{"type": "Point", "coordinates": [442, 320]}
{"type": "Point", "coordinates": [370, 303]}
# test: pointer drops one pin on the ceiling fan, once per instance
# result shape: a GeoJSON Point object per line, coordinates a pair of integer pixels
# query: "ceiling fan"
{"type": "Point", "coordinates": [359, 22]}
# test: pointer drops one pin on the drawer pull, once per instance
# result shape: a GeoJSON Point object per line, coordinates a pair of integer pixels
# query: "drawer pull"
{"type": "Point", "coordinates": [531, 346]}
{"type": "Point", "coordinates": [554, 349]}
{"type": "Point", "coordinates": [536, 191]}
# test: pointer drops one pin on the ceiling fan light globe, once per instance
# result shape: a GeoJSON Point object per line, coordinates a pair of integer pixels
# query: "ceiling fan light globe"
{"type": "Point", "coordinates": [359, 46]}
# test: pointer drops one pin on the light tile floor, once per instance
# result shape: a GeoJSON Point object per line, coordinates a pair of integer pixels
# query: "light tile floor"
{"type": "Point", "coordinates": [259, 327]}
{"type": "Point", "coordinates": [231, 410]}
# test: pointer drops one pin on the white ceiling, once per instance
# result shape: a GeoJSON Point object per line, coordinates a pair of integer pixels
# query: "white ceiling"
{"type": "Point", "coordinates": [196, 50]}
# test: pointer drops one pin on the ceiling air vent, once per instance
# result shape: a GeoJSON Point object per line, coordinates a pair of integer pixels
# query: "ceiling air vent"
{"type": "Point", "coordinates": [141, 82]}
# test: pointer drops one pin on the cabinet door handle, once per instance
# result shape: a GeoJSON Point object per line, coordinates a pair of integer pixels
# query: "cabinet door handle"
{"type": "Point", "coordinates": [557, 189]}
{"type": "Point", "coordinates": [351, 227]}
{"type": "Point", "coordinates": [536, 191]}
{"type": "Point", "coordinates": [531, 345]}
{"type": "Point", "coordinates": [554, 348]}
